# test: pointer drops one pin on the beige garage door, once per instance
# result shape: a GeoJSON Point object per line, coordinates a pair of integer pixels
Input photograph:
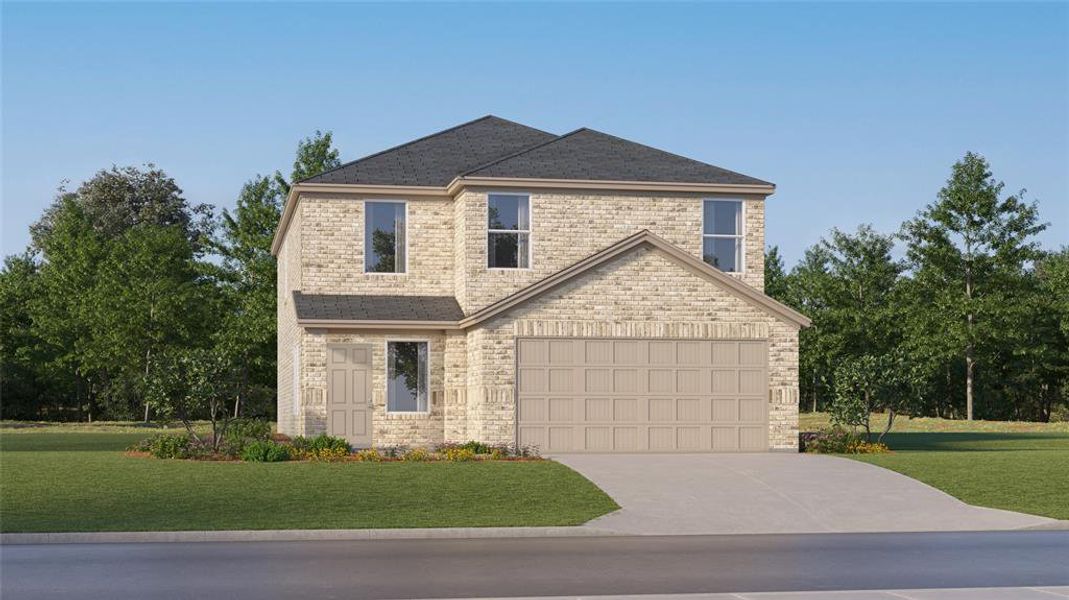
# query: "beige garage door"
{"type": "Point", "coordinates": [597, 395]}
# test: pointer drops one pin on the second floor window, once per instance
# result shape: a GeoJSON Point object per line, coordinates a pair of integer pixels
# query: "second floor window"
{"type": "Point", "coordinates": [722, 234]}
{"type": "Point", "coordinates": [384, 237]}
{"type": "Point", "coordinates": [508, 231]}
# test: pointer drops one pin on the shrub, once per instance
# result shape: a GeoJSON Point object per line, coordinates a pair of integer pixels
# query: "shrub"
{"type": "Point", "coordinates": [368, 455]}
{"type": "Point", "coordinates": [265, 451]}
{"type": "Point", "coordinates": [163, 445]}
{"type": "Point", "coordinates": [459, 454]}
{"type": "Point", "coordinates": [321, 447]}
{"type": "Point", "coordinates": [248, 429]}
{"type": "Point", "coordinates": [836, 440]}
{"type": "Point", "coordinates": [416, 455]}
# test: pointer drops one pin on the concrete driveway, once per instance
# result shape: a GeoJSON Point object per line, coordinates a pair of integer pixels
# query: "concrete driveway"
{"type": "Point", "coordinates": [774, 493]}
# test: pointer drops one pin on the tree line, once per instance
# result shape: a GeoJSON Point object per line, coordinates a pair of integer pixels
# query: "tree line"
{"type": "Point", "coordinates": [958, 314]}
{"type": "Point", "coordinates": [132, 302]}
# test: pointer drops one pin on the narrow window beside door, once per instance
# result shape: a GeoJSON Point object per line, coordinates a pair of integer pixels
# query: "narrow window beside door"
{"type": "Point", "coordinates": [384, 237]}
{"type": "Point", "coordinates": [722, 234]}
{"type": "Point", "coordinates": [406, 377]}
{"type": "Point", "coordinates": [508, 231]}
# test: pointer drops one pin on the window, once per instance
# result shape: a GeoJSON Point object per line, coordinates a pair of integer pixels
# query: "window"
{"type": "Point", "coordinates": [722, 234]}
{"type": "Point", "coordinates": [406, 376]}
{"type": "Point", "coordinates": [384, 237]}
{"type": "Point", "coordinates": [508, 231]}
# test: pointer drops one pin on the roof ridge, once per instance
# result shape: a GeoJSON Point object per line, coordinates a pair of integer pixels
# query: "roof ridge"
{"type": "Point", "coordinates": [616, 137]}
{"type": "Point", "coordinates": [524, 151]}
{"type": "Point", "coordinates": [420, 139]}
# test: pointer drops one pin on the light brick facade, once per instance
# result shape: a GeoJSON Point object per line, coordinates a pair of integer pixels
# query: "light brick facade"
{"type": "Point", "coordinates": [641, 294]}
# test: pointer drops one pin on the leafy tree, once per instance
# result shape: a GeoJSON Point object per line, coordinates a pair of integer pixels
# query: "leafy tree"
{"type": "Point", "coordinates": [120, 198]}
{"type": "Point", "coordinates": [248, 274]}
{"type": "Point", "coordinates": [776, 280]}
{"type": "Point", "coordinates": [966, 252]}
{"type": "Point", "coordinates": [847, 284]}
{"type": "Point", "coordinates": [874, 383]}
{"type": "Point", "coordinates": [315, 154]}
{"type": "Point", "coordinates": [186, 384]}
{"type": "Point", "coordinates": [248, 285]}
{"type": "Point", "coordinates": [149, 296]}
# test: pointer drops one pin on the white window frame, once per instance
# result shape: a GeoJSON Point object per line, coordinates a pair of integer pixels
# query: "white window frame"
{"type": "Point", "coordinates": [740, 236]}
{"type": "Point", "coordinates": [363, 238]}
{"type": "Point", "coordinates": [529, 231]}
{"type": "Point", "coordinates": [386, 373]}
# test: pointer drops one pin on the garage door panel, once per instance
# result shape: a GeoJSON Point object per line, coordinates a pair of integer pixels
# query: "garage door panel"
{"type": "Point", "coordinates": [598, 381]}
{"type": "Point", "coordinates": [598, 352]}
{"type": "Point", "coordinates": [724, 381]}
{"type": "Point", "coordinates": [588, 395]}
{"type": "Point", "coordinates": [753, 354]}
{"type": "Point", "coordinates": [625, 410]}
{"type": "Point", "coordinates": [752, 410]}
{"type": "Point", "coordinates": [560, 439]}
{"type": "Point", "coordinates": [661, 409]}
{"type": "Point", "coordinates": [532, 410]}
{"type": "Point", "coordinates": [753, 438]}
{"type": "Point", "coordinates": [561, 352]}
{"type": "Point", "coordinates": [752, 381]}
{"type": "Point", "coordinates": [533, 380]}
{"type": "Point", "coordinates": [598, 410]}
{"type": "Point", "coordinates": [561, 410]}
{"type": "Point", "coordinates": [561, 380]}
{"type": "Point", "coordinates": [660, 381]}
{"type": "Point", "coordinates": [532, 352]}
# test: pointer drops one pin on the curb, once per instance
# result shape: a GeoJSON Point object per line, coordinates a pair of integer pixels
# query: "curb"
{"type": "Point", "coordinates": [300, 535]}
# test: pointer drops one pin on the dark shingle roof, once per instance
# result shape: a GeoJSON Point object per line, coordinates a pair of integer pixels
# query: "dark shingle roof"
{"type": "Point", "coordinates": [338, 307]}
{"type": "Point", "coordinates": [495, 147]}
{"type": "Point", "coordinates": [592, 155]}
{"type": "Point", "coordinates": [438, 158]}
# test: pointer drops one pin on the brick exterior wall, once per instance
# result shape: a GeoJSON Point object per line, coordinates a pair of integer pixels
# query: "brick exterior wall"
{"type": "Point", "coordinates": [625, 298]}
{"type": "Point", "coordinates": [569, 226]}
{"type": "Point", "coordinates": [472, 373]}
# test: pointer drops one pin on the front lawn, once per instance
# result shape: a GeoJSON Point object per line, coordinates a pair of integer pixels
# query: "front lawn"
{"type": "Point", "coordinates": [60, 480]}
{"type": "Point", "coordinates": [1024, 472]}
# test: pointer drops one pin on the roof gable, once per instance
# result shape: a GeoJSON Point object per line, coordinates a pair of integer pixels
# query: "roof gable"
{"type": "Point", "coordinates": [644, 238]}
{"type": "Point", "coordinates": [437, 159]}
{"type": "Point", "coordinates": [587, 154]}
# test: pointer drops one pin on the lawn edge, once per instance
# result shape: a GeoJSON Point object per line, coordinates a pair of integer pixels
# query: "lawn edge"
{"type": "Point", "coordinates": [297, 535]}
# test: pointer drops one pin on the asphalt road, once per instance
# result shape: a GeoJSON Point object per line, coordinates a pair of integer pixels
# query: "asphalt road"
{"type": "Point", "coordinates": [534, 567]}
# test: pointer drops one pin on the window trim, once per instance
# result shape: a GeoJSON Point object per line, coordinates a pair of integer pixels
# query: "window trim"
{"type": "Point", "coordinates": [740, 236]}
{"type": "Point", "coordinates": [363, 238]}
{"type": "Point", "coordinates": [295, 402]}
{"type": "Point", "coordinates": [386, 373]}
{"type": "Point", "coordinates": [529, 231]}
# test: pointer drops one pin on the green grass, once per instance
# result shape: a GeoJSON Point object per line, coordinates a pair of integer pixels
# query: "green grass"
{"type": "Point", "coordinates": [814, 421]}
{"type": "Point", "coordinates": [1024, 472]}
{"type": "Point", "coordinates": [58, 480]}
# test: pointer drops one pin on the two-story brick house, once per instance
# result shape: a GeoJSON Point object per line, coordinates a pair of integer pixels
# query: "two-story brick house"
{"type": "Point", "coordinates": [499, 283]}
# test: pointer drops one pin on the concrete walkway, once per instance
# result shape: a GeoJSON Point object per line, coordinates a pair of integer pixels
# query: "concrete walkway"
{"type": "Point", "coordinates": [687, 494]}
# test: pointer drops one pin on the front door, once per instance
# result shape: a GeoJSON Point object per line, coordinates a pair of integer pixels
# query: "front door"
{"type": "Point", "coordinates": [349, 406]}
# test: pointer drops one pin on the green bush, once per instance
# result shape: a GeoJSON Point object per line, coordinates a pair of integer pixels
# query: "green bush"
{"type": "Point", "coordinates": [416, 455]}
{"type": "Point", "coordinates": [837, 440]}
{"type": "Point", "coordinates": [320, 447]}
{"type": "Point", "coordinates": [248, 429]}
{"type": "Point", "coordinates": [265, 451]}
{"type": "Point", "coordinates": [165, 445]}
{"type": "Point", "coordinates": [459, 454]}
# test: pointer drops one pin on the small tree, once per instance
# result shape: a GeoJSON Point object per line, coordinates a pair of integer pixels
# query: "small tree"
{"type": "Point", "coordinates": [869, 384]}
{"type": "Point", "coordinates": [189, 383]}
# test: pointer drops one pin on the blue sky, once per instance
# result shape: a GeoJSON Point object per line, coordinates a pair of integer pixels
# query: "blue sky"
{"type": "Point", "coordinates": [856, 111]}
